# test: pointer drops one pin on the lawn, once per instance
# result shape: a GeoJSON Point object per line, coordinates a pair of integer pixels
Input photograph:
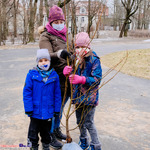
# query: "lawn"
{"type": "Point", "coordinates": [137, 64]}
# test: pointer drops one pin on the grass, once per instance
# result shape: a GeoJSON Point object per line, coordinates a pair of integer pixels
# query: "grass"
{"type": "Point", "coordinates": [138, 62]}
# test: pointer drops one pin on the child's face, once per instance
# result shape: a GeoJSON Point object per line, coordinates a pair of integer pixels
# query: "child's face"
{"type": "Point", "coordinates": [81, 51]}
{"type": "Point", "coordinates": [80, 47]}
{"type": "Point", "coordinates": [43, 61]}
{"type": "Point", "coordinates": [57, 22]}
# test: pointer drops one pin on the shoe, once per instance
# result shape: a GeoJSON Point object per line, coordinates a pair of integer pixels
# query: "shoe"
{"type": "Point", "coordinates": [84, 143]}
{"type": "Point", "coordinates": [45, 146]}
{"type": "Point", "coordinates": [95, 147]}
{"type": "Point", "coordinates": [54, 143]}
{"type": "Point", "coordinates": [59, 135]}
{"type": "Point", "coordinates": [33, 148]}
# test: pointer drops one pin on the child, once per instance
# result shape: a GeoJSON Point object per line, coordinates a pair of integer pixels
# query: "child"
{"type": "Point", "coordinates": [53, 38]}
{"type": "Point", "coordinates": [42, 99]}
{"type": "Point", "coordinates": [85, 93]}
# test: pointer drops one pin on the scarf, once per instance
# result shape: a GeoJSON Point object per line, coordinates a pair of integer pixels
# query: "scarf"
{"type": "Point", "coordinates": [44, 73]}
{"type": "Point", "coordinates": [61, 34]}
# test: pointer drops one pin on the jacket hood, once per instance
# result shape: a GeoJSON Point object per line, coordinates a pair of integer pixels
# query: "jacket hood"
{"type": "Point", "coordinates": [41, 29]}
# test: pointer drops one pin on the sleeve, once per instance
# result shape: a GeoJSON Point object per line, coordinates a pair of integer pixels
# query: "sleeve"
{"type": "Point", "coordinates": [44, 42]}
{"type": "Point", "coordinates": [27, 94]}
{"type": "Point", "coordinates": [58, 98]}
{"type": "Point", "coordinates": [96, 73]}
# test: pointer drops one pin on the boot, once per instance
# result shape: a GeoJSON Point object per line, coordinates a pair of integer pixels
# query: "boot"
{"type": "Point", "coordinates": [45, 146]}
{"type": "Point", "coordinates": [33, 148]}
{"type": "Point", "coordinates": [54, 143]}
{"type": "Point", "coordinates": [95, 147]}
{"type": "Point", "coordinates": [84, 143]}
{"type": "Point", "coordinates": [59, 135]}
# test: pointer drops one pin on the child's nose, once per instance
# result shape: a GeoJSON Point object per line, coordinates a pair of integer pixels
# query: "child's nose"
{"type": "Point", "coordinates": [43, 63]}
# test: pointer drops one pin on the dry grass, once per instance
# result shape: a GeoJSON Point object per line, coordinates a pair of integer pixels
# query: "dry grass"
{"type": "Point", "coordinates": [138, 63]}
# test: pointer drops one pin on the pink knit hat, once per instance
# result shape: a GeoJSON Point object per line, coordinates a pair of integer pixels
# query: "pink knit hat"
{"type": "Point", "coordinates": [82, 39]}
{"type": "Point", "coordinates": [56, 13]}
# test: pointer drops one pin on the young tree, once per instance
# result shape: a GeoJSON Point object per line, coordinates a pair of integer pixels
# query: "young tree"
{"type": "Point", "coordinates": [130, 6]}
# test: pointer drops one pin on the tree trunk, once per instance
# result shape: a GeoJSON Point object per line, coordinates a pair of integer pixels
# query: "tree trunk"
{"type": "Point", "coordinates": [73, 21]}
{"type": "Point", "coordinates": [0, 23]}
{"type": "Point", "coordinates": [33, 9]}
{"type": "Point", "coordinates": [15, 19]}
{"type": "Point", "coordinates": [47, 8]}
{"type": "Point", "coordinates": [4, 21]}
{"type": "Point", "coordinates": [89, 16]}
{"type": "Point", "coordinates": [139, 18]}
{"type": "Point", "coordinates": [123, 28]}
{"type": "Point", "coordinates": [41, 13]}
{"type": "Point", "coordinates": [25, 24]}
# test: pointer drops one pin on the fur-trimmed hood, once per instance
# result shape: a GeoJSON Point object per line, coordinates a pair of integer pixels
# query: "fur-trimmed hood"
{"type": "Point", "coordinates": [41, 29]}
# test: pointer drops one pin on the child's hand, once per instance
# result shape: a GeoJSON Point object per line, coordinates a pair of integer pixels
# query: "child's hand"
{"type": "Point", "coordinates": [30, 113]}
{"type": "Point", "coordinates": [76, 79]}
{"type": "Point", "coordinates": [67, 70]}
{"type": "Point", "coordinates": [63, 54]}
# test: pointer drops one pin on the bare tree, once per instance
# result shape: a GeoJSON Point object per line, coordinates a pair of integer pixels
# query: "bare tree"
{"type": "Point", "coordinates": [93, 8]}
{"type": "Point", "coordinates": [40, 22]}
{"type": "Point", "coordinates": [73, 18]}
{"type": "Point", "coordinates": [146, 14]}
{"type": "Point", "coordinates": [15, 10]}
{"type": "Point", "coordinates": [63, 3]}
{"type": "Point", "coordinates": [33, 9]}
{"type": "Point", "coordinates": [131, 6]}
{"type": "Point", "coordinates": [117, 15]}
{"type": "Point", "coordinates": [0, 23]}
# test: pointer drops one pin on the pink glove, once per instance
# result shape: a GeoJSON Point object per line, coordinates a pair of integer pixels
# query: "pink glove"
{"type": "Point", "coordinates": [67, 70]}
{"type": "Point", "coordinates": [76, 79]}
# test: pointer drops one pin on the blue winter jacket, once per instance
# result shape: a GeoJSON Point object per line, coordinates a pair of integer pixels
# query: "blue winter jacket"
{"type": "Point", "coordinates": [87, 93]}
{"type": "Point", "coordinates": [42, 98]}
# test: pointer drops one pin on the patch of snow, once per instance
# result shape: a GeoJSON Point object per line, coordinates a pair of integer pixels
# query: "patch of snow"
{"type": "Point", "coordinates": [106, 39]}
{"type": "Point", "coordinates": [148, 40]}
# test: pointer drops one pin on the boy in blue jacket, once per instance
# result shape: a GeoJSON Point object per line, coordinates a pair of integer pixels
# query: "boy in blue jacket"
{"type": "Point", "coordinates": [85, 82]}
{"type": "Point", "coordinates": [42, 100]}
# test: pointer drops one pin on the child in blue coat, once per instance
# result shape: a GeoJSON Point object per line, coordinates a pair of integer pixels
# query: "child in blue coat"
{"type": "Point", "coordinates": [85, 90]}
{"type": "Point", "coordinates": [42, 100]}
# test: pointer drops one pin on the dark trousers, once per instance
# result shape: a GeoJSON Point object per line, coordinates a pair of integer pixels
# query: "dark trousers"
{"type": "Point", "coordinates": [39, 126]}
{"type": "Point", "coordinates": [58, 118]}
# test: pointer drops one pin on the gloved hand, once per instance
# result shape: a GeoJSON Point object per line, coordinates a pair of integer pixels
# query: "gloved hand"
{"type": "Point", "coordinates": [76, 79]}
{"type": "Point", "coordinates": [30, 113]}
{"type": "Point", "coordinates": [56, 114]}
{"type": "Point", "coordinates": [67, 70]}
{"type": "Point", "coordinates": [63, 54]}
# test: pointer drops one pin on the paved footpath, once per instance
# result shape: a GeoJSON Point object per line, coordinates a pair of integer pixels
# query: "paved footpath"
{"type": "Point", "coordinates": [122, 117]}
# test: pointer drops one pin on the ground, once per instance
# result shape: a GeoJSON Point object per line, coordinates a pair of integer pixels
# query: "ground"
{"type": "Point", "coordinates": [122, 117]}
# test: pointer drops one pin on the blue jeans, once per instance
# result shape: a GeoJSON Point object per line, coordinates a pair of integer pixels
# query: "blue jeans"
{"type": "Point", "coordinates": [56, 120]}
{"type": "Point", "coordinates": [85, 119]}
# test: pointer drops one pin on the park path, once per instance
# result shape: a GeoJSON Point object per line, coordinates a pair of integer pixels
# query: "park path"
{"type": "Point", "coordinates": [122, 117]}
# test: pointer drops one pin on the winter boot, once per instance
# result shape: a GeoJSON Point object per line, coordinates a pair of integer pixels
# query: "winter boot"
{"type": "Point", "coordinates": [84, 143]}
{"type": "Point", "coordinates": [33, 148]}
{"type": "Point", "coordinates": [95, 147]}
{"type": "Point", "coordinates": [59, 135]}
{"type": "Point", "coordinates": [54, 143]}
{"type": "Point", "coordinates": [45, 146]}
